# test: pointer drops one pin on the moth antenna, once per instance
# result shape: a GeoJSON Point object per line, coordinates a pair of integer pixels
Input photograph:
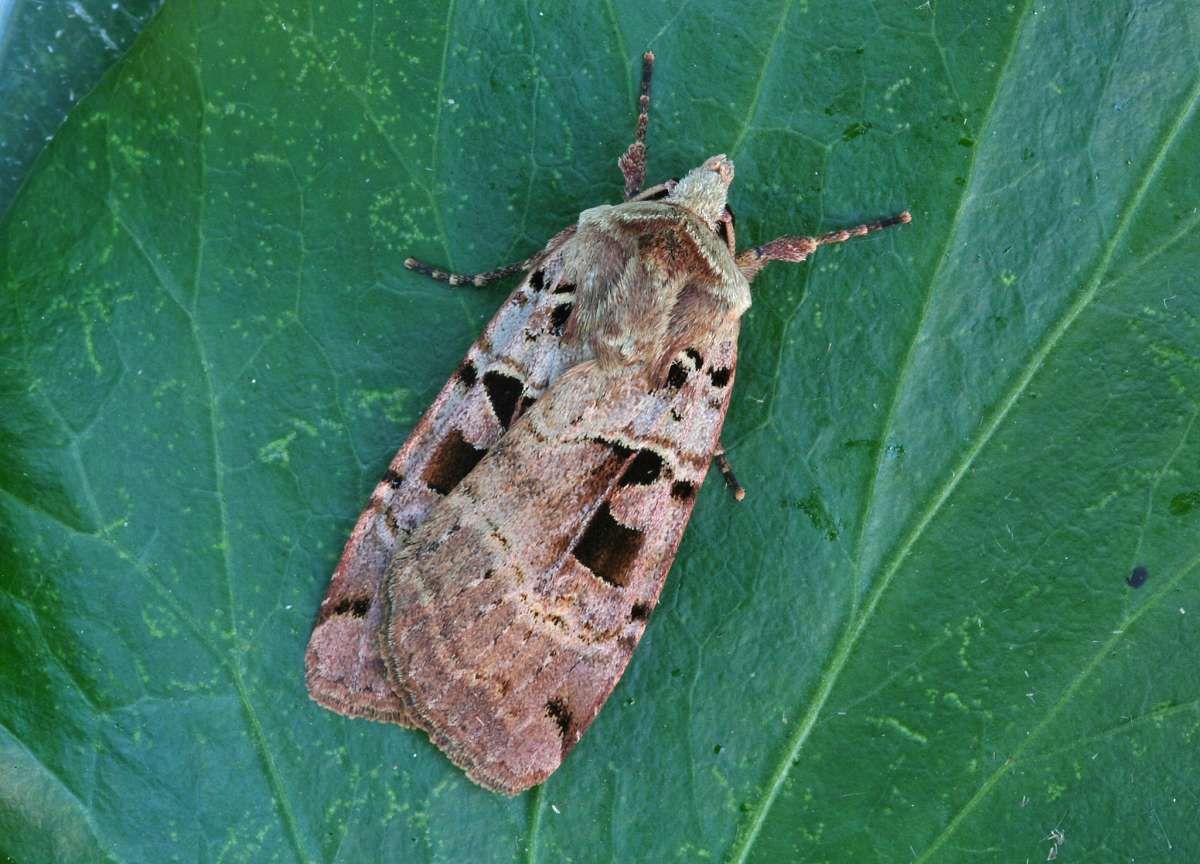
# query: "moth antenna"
{"type": "Point", "coordinates": [797, 249]}
{"type": "Point", "coordinates": [633, 160]}
{"type": "Point", "coordinates": [476, 279]}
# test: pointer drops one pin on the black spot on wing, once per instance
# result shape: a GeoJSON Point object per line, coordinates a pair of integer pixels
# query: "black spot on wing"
{"type": "Point", "coordinates": [677, 375]}
{"type": "Point", "coordinates": [453, 460]}
{"type": "Point", "coordinates": [643, 470]}
{"type": "Point", "coordinates": [564, 288]}
{"type": "Point", "coordinates": [538, 280]}
{"type": "Point", "coordinates": [466, 373]}
{"type": "Point", "coordinates": [719, 377]}
{"type": "Point", "coordinates": [356, 607]}
{"type": "Point", "coordinates": [503, 392]}
{"type": "Point", "coordinates": [682, 490]}
{"type": "Point", "coordinates": [608, 548]}
{"type": "Point", "coordinates": [556, 710]}
{"type": "Point", "coordinates": [559, 315]}
{"type": "Point", "coordinates": [697, 360]}
{"type": "Point", "coordinates": [619, 450]}
{"type": "Point", "coordinates": [392, 478]}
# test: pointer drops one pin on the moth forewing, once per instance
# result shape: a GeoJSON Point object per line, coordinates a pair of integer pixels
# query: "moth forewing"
{"type": "Point", "coordinates": [503, 372]}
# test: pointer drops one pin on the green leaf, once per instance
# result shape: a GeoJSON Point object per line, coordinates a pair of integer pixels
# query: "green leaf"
{"type": "Point", "coordinates": [52, 52]}
{"type": "Point", "coordinates": [915, 640]}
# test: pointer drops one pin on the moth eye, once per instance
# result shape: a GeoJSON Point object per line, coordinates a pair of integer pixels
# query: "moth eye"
{"type": "Point", "coordinates": [720, 377]}
{"type": "Point", "coordinates": [697, 360]}
{"type": "Point", "coordinates": [608, 548]}
{"type": "Point", "coordinates": [559, 316]}
{"type": "Point", "coordinates": [564, 288]}
{"type": "Point", "coordinates": [682, 490]}
{"type": "Point", "coordinates": [466, 373]}
{"type": "Point", "coordinates": [503, 392]}
{"type": "Point", "coordinates": [639, 612]}
{"type": "Point", "coordinates": [454, 459]}
{"type": "Point", "coordinates": [676, 376]}
{"type": "Point", "coordinates": [356, 607]}
{"type": "Point", "coordinates": [643, 470]}
{"type": "Point", "coordinates": [556, 710]}
{"type": "Point", "coordinates": [393, 478]}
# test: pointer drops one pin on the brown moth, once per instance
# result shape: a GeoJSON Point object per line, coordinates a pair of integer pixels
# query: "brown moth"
{"type": "Point", "coordinates": [495, 587]}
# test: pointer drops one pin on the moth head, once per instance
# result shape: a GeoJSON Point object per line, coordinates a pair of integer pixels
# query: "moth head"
{"type": "Point", "coordinates": [703, 190]}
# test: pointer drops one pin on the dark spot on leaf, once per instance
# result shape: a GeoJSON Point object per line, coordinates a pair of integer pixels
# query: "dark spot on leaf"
{"type": "Point", "coordinates": [503, 392]}
{"type": "Point", "coordinates": [538, 280]}
{"type": "Point", "coordinates": [643, 470]}
{"type": "Point", "coordinates": [966, 142]}
{"type": "Point", "coordinates": [1138, 577]}
{"type": "Point", "coordinates": [720, 377]}
{"type": "Point", "coordinates": [559, 315]}
{"type": "Point", "coordinates": [564, 288]}
{"type": "Point", "coordinates": [1184, 503]}
{"type": "Point", "coordinates": [556, 710]}
{"type": "Point", "coordinates": [453, 461]}
{"type": "Point", "coordinates": [682, 490]}
{"type": "Point", "coordinates": [392, 478]}
{"type": "Point", "coordinates": [608, 548]}
{"type": "Point", "coordinates": [814, 508]}
{"type": "Point", "coordinates": [466, 373]}
{"type": "Point", "coordinates": [697, 360]}
{"type": "Point", "coordinates": [676, 375]}
{"type": "Point", "coordinates": [639, 612]}
{"type": "Point", "coordinates": [854, 130]}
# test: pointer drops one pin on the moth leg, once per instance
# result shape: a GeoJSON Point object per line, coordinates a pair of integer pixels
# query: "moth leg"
{"type": "Point", "coordinates": [633, 160]}
{"type": "Point", "coordinates": [796, 249]}
{"type": "Point", "coordinates": [735, 488]}
{"type": "Point", "coordinates": [725, 229]}
{"type": "Point", "coordinates": [476, 279]}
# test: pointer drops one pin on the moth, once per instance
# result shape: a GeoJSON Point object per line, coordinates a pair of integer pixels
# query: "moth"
{"type": "Point", "coordinates": [494, 588]}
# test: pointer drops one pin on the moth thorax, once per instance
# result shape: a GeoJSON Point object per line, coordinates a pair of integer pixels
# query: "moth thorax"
{"type": "Point", "coordinates": [703, 189]}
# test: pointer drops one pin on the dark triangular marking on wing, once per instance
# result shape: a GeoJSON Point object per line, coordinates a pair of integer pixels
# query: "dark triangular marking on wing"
{"type": "Point", "coordinates": [454, 459]}
{"type": "Point", "coordinates": [608, 548]}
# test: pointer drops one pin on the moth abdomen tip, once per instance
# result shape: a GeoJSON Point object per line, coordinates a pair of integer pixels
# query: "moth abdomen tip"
{"type": "Point", "coordinates": [905, 217]}
{"type": "Point", "coordinates": [410, 263]}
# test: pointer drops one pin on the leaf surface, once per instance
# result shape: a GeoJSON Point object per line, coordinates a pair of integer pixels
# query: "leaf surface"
{"type": "Point", "coordinates": [915, 640]}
